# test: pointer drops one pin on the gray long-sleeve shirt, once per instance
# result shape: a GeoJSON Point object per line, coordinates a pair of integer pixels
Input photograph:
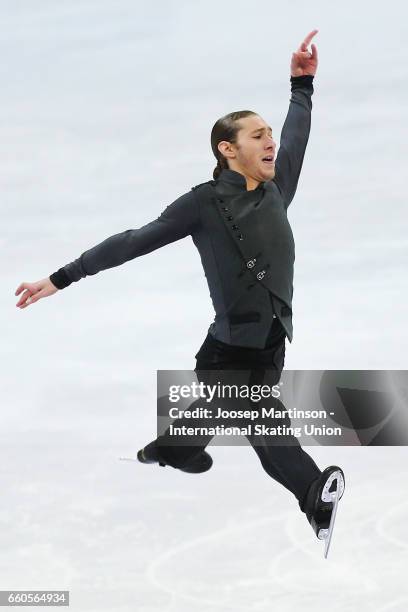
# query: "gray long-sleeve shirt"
{"type": "Point", "coordinates": [183, 218]}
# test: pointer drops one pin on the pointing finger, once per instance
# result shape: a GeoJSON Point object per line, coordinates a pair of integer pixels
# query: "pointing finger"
{"type": "Point", "coordinates": [307, 39]}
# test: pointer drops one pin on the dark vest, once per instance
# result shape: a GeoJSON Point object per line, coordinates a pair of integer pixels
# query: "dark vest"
{"type": "Point", "coordinates": [260, 251]}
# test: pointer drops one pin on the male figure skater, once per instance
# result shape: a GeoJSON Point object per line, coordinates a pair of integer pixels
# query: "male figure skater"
{"type": "Point", "coordinates": [239, 224]}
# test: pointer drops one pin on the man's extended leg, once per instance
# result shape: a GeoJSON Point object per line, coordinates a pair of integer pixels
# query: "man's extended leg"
{"type": "Point", "coordinates": [282, 457]}
{"type": "Point", "coordinates": [290, 465]}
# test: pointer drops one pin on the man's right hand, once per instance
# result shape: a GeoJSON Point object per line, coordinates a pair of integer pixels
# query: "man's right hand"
{"type": "Point", "coordinates": [34, 292]}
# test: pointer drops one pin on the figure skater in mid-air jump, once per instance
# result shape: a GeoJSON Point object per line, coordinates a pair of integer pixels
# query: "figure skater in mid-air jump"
{"type": "Point", "coordinates": [239, 224]}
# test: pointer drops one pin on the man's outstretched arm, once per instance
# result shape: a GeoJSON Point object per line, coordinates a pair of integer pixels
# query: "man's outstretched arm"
{"type": "Point", "coordinates": [175, 222]}
{"type": "Point", "coordinates": [296, 129]}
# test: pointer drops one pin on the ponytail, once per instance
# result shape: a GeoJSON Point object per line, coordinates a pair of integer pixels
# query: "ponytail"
{"type": "Point", "coordinates": [221, 164]}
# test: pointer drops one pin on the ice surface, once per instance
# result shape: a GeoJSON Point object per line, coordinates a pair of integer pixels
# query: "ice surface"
{"type": "Point", "coordinates": [107, 109]}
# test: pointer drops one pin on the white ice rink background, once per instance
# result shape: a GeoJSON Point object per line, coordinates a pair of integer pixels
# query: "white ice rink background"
{"type": "Point", "coordinates": [106, 112]}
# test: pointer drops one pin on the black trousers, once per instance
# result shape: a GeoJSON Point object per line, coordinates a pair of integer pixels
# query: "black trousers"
{"type": "Point", "coordinates": [289, 465]}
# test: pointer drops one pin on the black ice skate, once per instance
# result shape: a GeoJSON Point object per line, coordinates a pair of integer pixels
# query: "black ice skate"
{"type": "Point", "coordinates": [150, 454]}
{"type": "Point", "coordinates": [321, 502]}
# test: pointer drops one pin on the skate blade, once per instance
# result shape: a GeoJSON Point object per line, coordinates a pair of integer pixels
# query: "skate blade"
{"type": "Point", "coordinates": [128, 459]}
{"type": "Point", "coordinates": [326, 534]}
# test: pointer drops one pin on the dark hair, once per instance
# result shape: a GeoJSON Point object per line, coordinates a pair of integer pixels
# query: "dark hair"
{"type": "Point", "coordinates": [226, 128]}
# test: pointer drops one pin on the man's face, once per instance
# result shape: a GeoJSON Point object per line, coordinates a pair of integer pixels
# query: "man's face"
{"type": "Point", "coordinates": [254, 143]}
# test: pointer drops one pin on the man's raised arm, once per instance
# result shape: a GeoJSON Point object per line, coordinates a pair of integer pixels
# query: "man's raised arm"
{"type": "Point", "coordinates": [296, 129]}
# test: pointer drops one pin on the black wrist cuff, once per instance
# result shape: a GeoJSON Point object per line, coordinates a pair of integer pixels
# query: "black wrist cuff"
{"type": "Point", "coordinates": [304, 81]}
{"type": "Point", "coordinates": [60, 279]}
